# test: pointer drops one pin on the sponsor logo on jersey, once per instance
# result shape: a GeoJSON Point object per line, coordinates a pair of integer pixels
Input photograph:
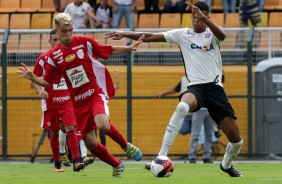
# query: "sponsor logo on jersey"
{"type": "Point", "coordinates": [205, 47]}
{"type": "Point", "coordinates": [56, 56]}
{"type": "Point", "coordinates": [49, 123]}
{"type": "Point", "coordinates": [61, 86]}
{"type": "Point", "coordinates": [78, 133]}
{"type": "Point", "coordinates": [84, 95]}
{"type": "Point", "coordinates": [61, 98]}
{"type": "Point", "coordinates": [77, 76]}
{"type": "Point", "coordinates": [70, 58]}
{"type": "Point", "coordinates": [56, 52]}
{"type": "Point", "coordinates": [207, 35]}
{"type": "Point", "coordinates": [77, 47]}
{"type": "Point", "coordinates": [80, 54]}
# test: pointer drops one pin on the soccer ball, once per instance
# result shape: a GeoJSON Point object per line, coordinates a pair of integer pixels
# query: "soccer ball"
{"type": "Point", "coordinates": [162, 166]}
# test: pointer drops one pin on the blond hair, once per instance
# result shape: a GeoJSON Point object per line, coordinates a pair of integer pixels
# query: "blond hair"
{"type": "Point", "coordinates": [63, 19]}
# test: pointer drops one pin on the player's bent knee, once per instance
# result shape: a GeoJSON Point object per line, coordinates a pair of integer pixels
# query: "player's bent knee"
{"type": "Point", "coordinates": [182, 108]}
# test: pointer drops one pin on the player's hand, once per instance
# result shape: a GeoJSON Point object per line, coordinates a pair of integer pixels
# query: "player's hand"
{"type": "Point", "coordinates": [115, 35]}
{"type": "Point", "coordinates": [195, 10]}
{"type": "Point", "coordinates": [25, 72]}
{"type": "Point", "coordinates": [43, 94]}
{"type": "Point", "coordinates": [137, 42]}
{"type": "Point", "coordinates": [159, 96]}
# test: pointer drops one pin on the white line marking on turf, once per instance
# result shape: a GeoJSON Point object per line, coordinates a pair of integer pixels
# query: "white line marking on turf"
{"type": "Point", "coordinates": [271, 179]}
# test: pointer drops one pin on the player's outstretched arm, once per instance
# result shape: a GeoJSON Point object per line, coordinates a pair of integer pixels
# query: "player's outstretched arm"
{"type": "Point", "coordinates": [124, 49]}
{"type": "Point", "coordinates": [25, 72]}
{"type": "Point", "coordinates": [149, 37]}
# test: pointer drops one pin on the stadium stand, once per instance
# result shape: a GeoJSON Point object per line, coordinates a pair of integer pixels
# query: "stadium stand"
{"type": "Point", "coordinates": [279, 5]}
{"type": "Point", "coordinates": [232, 20]}
{"type": "Point", "coordinates": [4, 19]}
{"type": "Point", "coordinates": [20, 21]}
{"type": "Point", "coordinates": [47, 6]}
{"type": "Point", "coordinates": [30, 6]}
{"type": "Point", "coordinates": [41, 20]}
{"type": "Point", "coordinates": [217, 5]}
{"type": "Point", "coordinates": [269, 5]}
{"type": "Point", "coordinates": [140, 5]}
{"type": "Point", "coordinates": [149, 20]}
{"type": "Point", "coordinates": [30, 42]}
{"type": "Point", "coordinates": [275, 19]}
{"type": "Point", "coordinates": [264, 19]}
{"type": "Point", "coordinates": [217, 18]}
{"type": "Point", "coordinates": [170, 20]}
{"type": "Point", "coordinates": [9, 6]}
{"type": "Point", "coordinates": [186, 20]}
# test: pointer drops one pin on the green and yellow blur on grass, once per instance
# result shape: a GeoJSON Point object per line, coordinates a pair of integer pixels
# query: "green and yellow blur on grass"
{"type": "Point", "coordinates": [134, 173]}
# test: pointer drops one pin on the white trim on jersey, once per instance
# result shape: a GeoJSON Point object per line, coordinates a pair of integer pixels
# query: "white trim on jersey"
{"type": "Point", "coordinates": [201, 54]}
{"type": "Point", "coordinates": [98, 69]}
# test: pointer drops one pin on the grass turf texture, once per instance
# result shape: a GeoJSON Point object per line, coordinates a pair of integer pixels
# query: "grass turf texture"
{"type": "Point", "coordinates": [135, 173]}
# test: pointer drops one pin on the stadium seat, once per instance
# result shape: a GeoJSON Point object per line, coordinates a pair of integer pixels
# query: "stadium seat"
{"type": "Point", "coordinates": [20, 21]}
{"type": "Point", "coordinates": [13, 43]}
{"type": "Point", "coordinates": [123, 22]}
{"type": "Point", "coordinates": [270, 5]}
{"type": "Point", "coordinates": [41, 20]}
{"type": "Point", "coordinates": [148, 20]}
{"type": "Point", "coordinates": [186, 20]}
{"type": "Point", "coordinates": [279, 5]}
{"type": "Point", "coordinates": [47, 6]}
{"type": "Point", "coordinates": [30, 42]}
{"type": "Point", "coordinates": [170, 20]}
{"type": "Point", "coordinates": [217, 5]}
{"type": "Point", "coordinates": [276, 40]}
{"type": "Point", "coordinates": [30, 6]}
{"type": "Point", "coordinates": [161, 4]}
{"type": "Point", "coordinates": [140, 5]}
{"type": "Point", "coordinates": [232, 20]}
{"type": "Point", "coordinates": [44, 44]}
{"type": "Point", "coordinates": [53, 19]}
{"type": "Point", "coordinates": [264, 19]}
{"type": "Point", "coordinates": [275, 19]}
{"type": "Point", "coordinates": [217, 18]}
{"type": "Point", "coordinates": [4, 19]}
{"type": "Point", "coordinates": [9, 6]}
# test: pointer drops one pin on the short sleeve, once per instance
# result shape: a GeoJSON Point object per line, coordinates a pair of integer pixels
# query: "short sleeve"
{"type": "Point", "coordinates": [174, 36]}
{"type": "Point", "coordinates": [38, 68]}
{"type": "Point", "coordinates": [53, 75]}
{"type": "Point", "coordinates": [99, 50]}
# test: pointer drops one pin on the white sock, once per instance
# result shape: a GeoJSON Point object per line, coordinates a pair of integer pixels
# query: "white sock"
{"type": "Point", "coordinates": [62, 140]}
{"type": "Point", "coordinates": [173, 127]}
{"type": "Point", "coordinates": [83, 149]}
{"type": "Point", "coordinates": [231, 152]}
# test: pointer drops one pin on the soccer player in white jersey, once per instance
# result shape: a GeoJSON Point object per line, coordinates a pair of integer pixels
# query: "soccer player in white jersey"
{"type": "Point", "coordinates": [199, 46]}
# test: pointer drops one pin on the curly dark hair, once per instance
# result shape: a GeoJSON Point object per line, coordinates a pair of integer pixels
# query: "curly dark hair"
{"type": "Point", "coordinates": [202, 6]}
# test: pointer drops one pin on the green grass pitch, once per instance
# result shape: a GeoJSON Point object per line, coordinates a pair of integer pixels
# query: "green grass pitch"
{"type": "Point", "coordinates": [135, 173]}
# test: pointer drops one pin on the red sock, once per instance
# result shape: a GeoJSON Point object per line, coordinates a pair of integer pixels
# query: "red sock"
{"type": "Point", "coordinates": [117, 137]}
{"type": "Point", "coordinates": [103, 154]}
{"type": "Point", "coordinates": [55, 146]}
{"type": "Point", "coordinates": [73, 144]}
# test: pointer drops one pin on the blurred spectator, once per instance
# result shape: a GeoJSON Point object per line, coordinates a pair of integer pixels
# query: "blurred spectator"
{"type": "Point", "coordinates": [209, 2]}
{"type": "Point", "coordinates": [229, 6]}
{"type": "Point", "coordinates": [92, 2]}
{"type": "Point", "coordinates": [60, 5]}
{"type": "Point", "coordinates": [103, 15]}
{"type": "Point", "coordinates": [79, 11]}
{"type": "Point", "coordinates": [249, 10]}
{"type": "Point", "coordinates": [124, 8]}
{"type": "Point", "coordinates": [260, 5]}
{"type": "Point", "coordinates": [151, 3]}
{"type": "Point", "coordinates": [175, 6]}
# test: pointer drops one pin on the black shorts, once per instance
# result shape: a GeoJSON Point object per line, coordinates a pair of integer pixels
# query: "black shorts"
{"type": "Point", "coordinates": [212, 97]}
